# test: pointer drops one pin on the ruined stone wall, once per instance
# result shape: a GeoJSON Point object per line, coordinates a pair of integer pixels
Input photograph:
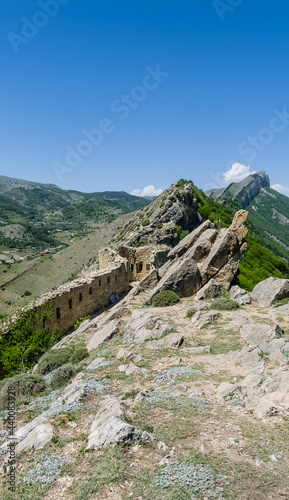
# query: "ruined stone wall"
{"type": "Point", "coordinates": [91, 292]}
{"type": "Point", "coordinates": [85, 295]}
{"type": "Point", "coordinates": [142, 259]}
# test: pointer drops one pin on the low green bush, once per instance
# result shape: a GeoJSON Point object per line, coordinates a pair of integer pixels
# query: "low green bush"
{"type": "Point", "coordinates": [61, 376]}
{"type": "Point", "coordinates": [191, 312]}
{"type": "Point", "coordinates": [165, 298]}
{"type": "Point", "coordinates": [224, 305]}
{"type": "Point", "coordinates": [24, 384]}
{"type": "Point", "coordinates": [79, 353]}
{"type": "Point", "coordinates": [146, 222]}
{"type": "Point", "coordinates": [53, 359]}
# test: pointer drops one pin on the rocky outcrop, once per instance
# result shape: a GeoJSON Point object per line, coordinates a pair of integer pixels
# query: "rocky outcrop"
{"type": "Point", "coordinates": [269, 290]}
{"type": "Point", "coordinates": [212, 256]}
{"type": "Point", "coordinates": [110, 427]}
{"type": "Point", "coordinates": [104, 334]}
{"type": "Point", "coordinates": [145, 325]}
{"type": "Point", "coordinates": [189, 240]}
{"type": "Point", "coordinates": [211, 290]}
{"type": "Point", "coordinates": [240, 295]}
{"type": "Point", "coordinates": [177, 206]}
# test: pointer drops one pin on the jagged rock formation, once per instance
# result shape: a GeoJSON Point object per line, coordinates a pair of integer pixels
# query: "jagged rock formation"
{"type": "Point", "coordinates": [157, 224]}
{"type": "Point", "coordinates": [205, 255]}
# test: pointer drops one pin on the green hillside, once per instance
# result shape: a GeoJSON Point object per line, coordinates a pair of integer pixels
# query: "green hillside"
{"type": "Point", "coordinates": [259, 262]}
{"type": "Point", "coordinates": [44, 210]}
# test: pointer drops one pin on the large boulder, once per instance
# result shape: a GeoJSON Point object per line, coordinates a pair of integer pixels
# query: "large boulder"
{"type": "Point", "coordinates": [228, 244]}
{"type": "Point", "coordinates": [110, 427]}
{"type": "Point", "coordinates": [240, 295]}
{"type": "Point", "coordinates": [189, 240]}
{"type": "Point", "coordinates": [104, 334]}
{"type": "Point", "coordinates": [211, 290]}
{"type": "Point", "coordinates": [37, 438]}
{"type": "Point", "coordinates": [183, 277]}
{"type": "Point", "coordinates": [203, 245]}
{"type": "Point", "coordinates": [270, 289]}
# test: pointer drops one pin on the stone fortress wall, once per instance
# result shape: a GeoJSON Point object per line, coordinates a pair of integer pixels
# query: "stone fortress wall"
{"type": "Point", "coordinates": [91, 292]}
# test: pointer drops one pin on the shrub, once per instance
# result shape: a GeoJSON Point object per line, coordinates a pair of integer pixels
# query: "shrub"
{"type": "Point", "coordinates": [79, 353]}
{"type": "Point", "coordinates": [53, 359]}
{"type": "Point", "coordinates": [224, 305]}
{"type": "Point", "coordinates": [29, 338]}
{"type": "Point", "coordinates": [181, 234]}
{"type": "Point", "coordinates": [191, 312]}
{"type": "Point", "coordinates": [81, 320]}
{"type": "Point", "coordinates": [165, 298]}
{"type": "Point", "coordinates": [146, 222]}
{"type": "Point", "coordinates": [26, 293]}
{"type": "Point", "coordinates": [61, 376]}
{"type": "Point", "coordinates": [24, 384]}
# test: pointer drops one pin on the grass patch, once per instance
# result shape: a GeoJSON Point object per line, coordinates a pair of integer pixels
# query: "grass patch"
{"type": "Point", "coordinates": [224, 305]}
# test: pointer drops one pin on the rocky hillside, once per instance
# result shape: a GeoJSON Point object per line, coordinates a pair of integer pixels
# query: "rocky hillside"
{"type": "Point", "coordinates": [243, 192]}
{"type": "Point", "coordinates": [172, 212]}
{"type": "Point", "coordinates": [189, 401]}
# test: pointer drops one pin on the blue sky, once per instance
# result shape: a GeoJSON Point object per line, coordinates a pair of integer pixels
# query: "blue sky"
{"type": "Point", "coordinates": [125, 95]}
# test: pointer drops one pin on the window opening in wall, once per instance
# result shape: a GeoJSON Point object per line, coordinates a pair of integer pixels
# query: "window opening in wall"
{"type": "Point", "coordinates": [139, 267]}
{"type": "Point", "coordinates": [131, 268]}
{"type": "Point", "coordinates": [90, 290]}
{"type": "Point", "coordinates": [108, 279]}
{"type": "Point", "coordinates": [148, 266]}
{"type": "Point", "coordinates": [70, 303]}
{"type": "Point", "coordinates": [99, 282]}
{"type": "Point", "coordinates": [58, 314]}
{"type": "Point", "coordinates": [80, 297]}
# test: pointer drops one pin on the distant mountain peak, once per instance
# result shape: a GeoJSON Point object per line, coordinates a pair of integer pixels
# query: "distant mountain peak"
{"type": "Point", "coordinates": [244, 191]}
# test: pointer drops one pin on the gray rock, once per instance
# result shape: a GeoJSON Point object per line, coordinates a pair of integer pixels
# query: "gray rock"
{"type": "Point", "coordinates": [104, 334]}
{"type": "Point", "coordinates": [132, 369]}
{"type": "Point", "coordinates": [144, 325]}
{"type": "Point", "coordinates": [261, 335]}
{"type": "Point", "coordinates": [227, 244]}
{"type": "Point", "coordinates": [249, 358]}
{"type": "Point", "coordinates": [211, 290]}
{"type": "Point", "coordinates": [198, 349]}
{"type": "Point", "coordinates": [270, 289]}
{"type": "Point", "coordinates": [189, 240]}
{"type": "Point", "coordinates": [227, 273]}
{"type": "Point", "coordinates": [182, 276]}
{"type": "Point", "coordinates": [202, 247]}
{"type": "Point", "coordinates": [201, 319]}
{"type": "Point", "coordinates": [240, 295]}
{"type": "Point", "coordinates": [172, 340]}
{"type": "Point", "coordinates": [225, 389]}
{"type": "Point", "coordinates": [266, 408]}
{"type": "Point", "coordinates": [37, 438]}
{"type": "Point", "coordinates": [109, 426]}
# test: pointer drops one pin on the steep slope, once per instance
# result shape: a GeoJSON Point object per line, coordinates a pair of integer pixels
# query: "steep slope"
{"type": "Point", "coordinates": [268, 210]}
{"type": "Point", "coordinates": [242, 192]}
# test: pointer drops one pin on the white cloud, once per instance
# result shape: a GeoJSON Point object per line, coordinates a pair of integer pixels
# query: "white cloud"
{"type": "Point", "coordinates": [281, 189]}
{"type": "Point", "coordinates": [147, 191]}
{"type": "Point", "coordinates": [237, 173]}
